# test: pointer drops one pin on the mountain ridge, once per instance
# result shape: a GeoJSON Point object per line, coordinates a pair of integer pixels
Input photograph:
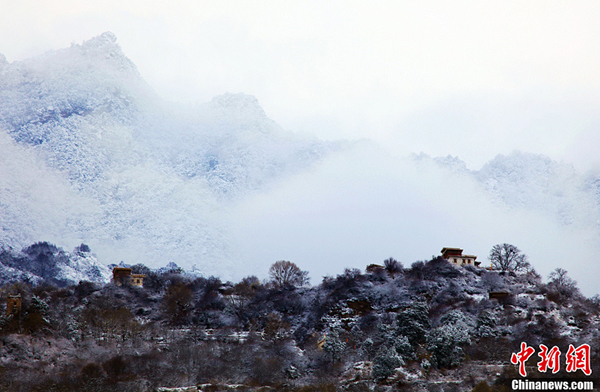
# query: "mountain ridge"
{"type": "Point", "coordinates": [92, 155]}
{"type": "Point", "coordinates": [528, 181]}
{"type": "Point", "coordinates": [97, 128]}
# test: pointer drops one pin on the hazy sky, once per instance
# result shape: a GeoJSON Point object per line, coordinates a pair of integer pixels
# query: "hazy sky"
{"type": "Point", "coordinates": [466, 78]}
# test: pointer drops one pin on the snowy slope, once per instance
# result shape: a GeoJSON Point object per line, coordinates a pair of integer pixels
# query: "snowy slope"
{"type": "Point", "coordinates": [90, 154]}
{"type": "Point", "coordinates": [46, 262]}
{"type": "Point", "coordinates": [535, 183]}
{"type": "Point", "coordinates": [64, 102]}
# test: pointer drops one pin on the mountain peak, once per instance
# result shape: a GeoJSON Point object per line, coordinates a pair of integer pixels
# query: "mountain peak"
{"type": "Point", "coordinates": [105, 42]}
{"type": "Point", "coordinates": [102, 49]}
{"type": "Point", "coordinates": [101, 135]}
{"type": "Point", "coordinates": [106, 38]}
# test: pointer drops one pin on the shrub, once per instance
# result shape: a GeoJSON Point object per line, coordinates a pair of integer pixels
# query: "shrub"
{"type": "Point", "coordinates": [486, 324]}
{"type": "Point", "coordinates": [85, 288]}
{"type": "Point", "coordinates": [403, 347]}
{"type": "Point", "coordinates": [439, 267]}
{"type": "Point", "coordinates": [444, 342]}
{"type": "Point", "coordinates": [417, 270]}
{"type": "Point", "coordinates": [562, 284]}
{"type": "Point", "coordinates": [414, 322]}
{"type": "Point", "coordinates": [392, 266]}
{"type": "Point", "coordinates": [385, 362]}
{"type": "Point", "coordinates": [334, 346]}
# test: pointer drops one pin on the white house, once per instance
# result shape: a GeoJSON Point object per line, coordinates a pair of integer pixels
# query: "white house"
{"type": "Point", "coordinates": [455, 256]}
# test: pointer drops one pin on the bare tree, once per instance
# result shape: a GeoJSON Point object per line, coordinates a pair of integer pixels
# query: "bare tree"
{"type": "Point", "coordinates": [285, 273]}
{"type": "Point", "coordinates": [507, 257]}
{"type": "Point", "coordinates": [564, 284]}
{"type": "Point", "coordinates": [392, 266]}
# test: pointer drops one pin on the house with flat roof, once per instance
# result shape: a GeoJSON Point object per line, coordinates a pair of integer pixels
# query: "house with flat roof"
{"type": "Point", "coordinates": [455, 256]}
{"type": "Point", "coordinates": [120, 274]}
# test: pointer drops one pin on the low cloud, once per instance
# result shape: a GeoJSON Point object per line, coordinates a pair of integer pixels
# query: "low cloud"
{"type": "Point", "coordinates": [364, 205]}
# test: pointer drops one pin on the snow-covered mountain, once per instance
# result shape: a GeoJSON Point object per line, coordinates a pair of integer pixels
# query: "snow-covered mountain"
{"type": "Point", "coordinates": [534, 182]}
{"type": "Point", "coordinates": [46, 262]}
{"type": "Point", "coordinates": [91, 154]}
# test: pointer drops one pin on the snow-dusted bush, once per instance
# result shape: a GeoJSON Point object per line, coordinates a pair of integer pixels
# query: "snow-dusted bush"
{"type": "Point", "coordinates": [442, 345]}
{"type": "Point", "coordinates": [38, 305]}
{"type": "Point", "coordinates": [389, 334]}
{"type": "Point", "coordinates": [445, 341]}
{"type": "Point", "coordinates": [456, 317]}
{"type": "Point", "coordinates": [344, 285]}
{"type": "Point", "coordinates": [451, 294]}
{"type": "Point", "coordinates": [413, 322]}
{"type": "Point", "coordinates": [385, 362]}
{"type": "Point", "coordinates": [334, 346]}
{"type": "Point", "coordinates": [417, 270]}
{"type": "Point", "coordinates": [367, 349]}
{"type": "Point", "coordinates": [561, 284]}
{"type": "Point", "coordinates": [486, 324]}
{"type": "Point", "coordinates": [493, 281]}
{"type": "Point", "coordinates": [440, 268]}
{"type": "Point", "coordinates": [403, 347]}
{"type": "Point", "coordinates": [387, 331]}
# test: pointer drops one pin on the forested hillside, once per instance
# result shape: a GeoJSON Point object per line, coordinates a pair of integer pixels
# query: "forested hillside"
{"type": "Point", "coordinates": [428, 327]}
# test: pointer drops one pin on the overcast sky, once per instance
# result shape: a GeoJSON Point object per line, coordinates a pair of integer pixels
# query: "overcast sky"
{"type": "Point", "coordinates": [466, 78]}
